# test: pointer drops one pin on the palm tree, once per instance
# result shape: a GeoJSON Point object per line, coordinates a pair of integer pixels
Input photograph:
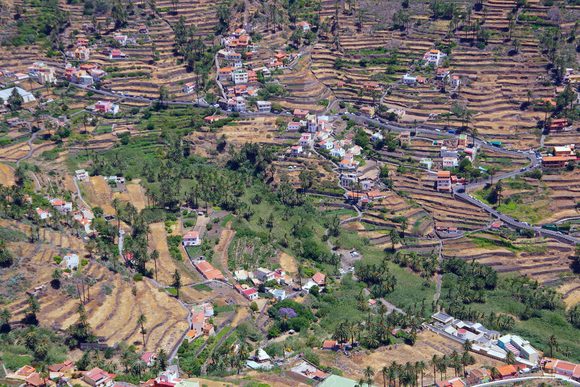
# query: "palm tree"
{"type": "Point", "coordinates": [385, 374]}
{"type": "Point", "coordinates": [368, 374]}
{"type": "Point", "coordinates": [5, 316]}
{"type": "Point", "coordinates": [395, 238]}
{"type": "Point", "coordinates": [553, 343]}
{"type": "Point", "coordinates": [434, 362]}
{"type": "Point", "coordinates": [420, 367]}
{"type": "Point", "coordinates": [141, 321]}
{"type": "Point", "coordinates": [154, 257]}
{"type": "Point", "coordinates": [510, 358]}
{"type": "Point", "coordinates": [393, 372]}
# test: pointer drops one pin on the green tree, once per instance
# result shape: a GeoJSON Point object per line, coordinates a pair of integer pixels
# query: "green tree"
{"type": "Point", "coordinates": [176, 282]}
{"type": "Point", "coordinates": [6, 258]}
{"type": "Point", "coordinates": [369, 373]}
{"type": "Point", "coordinates": [15, 101]}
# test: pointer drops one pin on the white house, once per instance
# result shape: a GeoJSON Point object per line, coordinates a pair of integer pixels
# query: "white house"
{"type": "Point", "coordinates": [294, 126]}
{"type": "Point", "coordinates": [121, 39]}
{"type": "Point", "coordinates": [450, 162]}
{"type": "Point", "coordinates": [81, 174]}
{"type": "Point", "coordinates": [377, 136]}
{"type": "Point", "coordinates": [191, 238]}
{"type": "Point", "coordinates": [444, 181]}
{"type": "Point", "coordinates": [71, 261]}
{"type": "Point", "coordinates": [409, 79]}
{"type": "Point", "coordinates": [106, 107]}
{"type": "Point", "coordinates": [264, 106]}
{"type": "Point", "coordinates": [519, 347]}
{"type": "Point", "coordinates": [303, 25]}
{"type": "Point", "coordinates": [239, 76]}
{"type": "Point", "coordinates": [43, 214]}
{"type": "Point", "coordinates": [296, 150]}
{"type": "Point", "coordinates": [337, 152]}
{"type": "Point", "coordinates": [189, 87]}
{"type": "Point", "coordinates": [98, 378]}
{"type": "Point", "coordinates": [434, 57]}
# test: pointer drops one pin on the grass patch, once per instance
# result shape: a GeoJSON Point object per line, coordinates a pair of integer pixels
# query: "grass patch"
{"type": "Point", "coordinates": [202, 288]}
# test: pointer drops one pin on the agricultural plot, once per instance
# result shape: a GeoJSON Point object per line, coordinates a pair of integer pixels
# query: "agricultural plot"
{"type": "Point", "coordinates": [545, 260]}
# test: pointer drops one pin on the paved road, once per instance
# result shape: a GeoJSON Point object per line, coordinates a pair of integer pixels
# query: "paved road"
{"type": "Point", "coordinates": [512, 381]}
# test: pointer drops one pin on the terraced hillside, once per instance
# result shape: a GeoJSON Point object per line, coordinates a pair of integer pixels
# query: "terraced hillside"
{"type": "Point", "coordinates": [114, 304]}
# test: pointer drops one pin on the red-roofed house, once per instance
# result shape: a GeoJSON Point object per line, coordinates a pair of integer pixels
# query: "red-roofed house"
{"type": "Point", "coordinates": [319, 279]}
{"type": "Point", "coordinates": [330, 345]}
{"type": "Point", "coordinates": [507, 371]}
{"type": "Point", "coordinates": [149, 358]}
{"type": "Point", "coordinates": [444, 181]}
{"type": "Point", "coordinates": [208, 271]}
{"type": "Point", "coordinates": [301, 113]}
{"type": "Point", "coordinates": [117, 54]}
{"type": "Point", "coordinates": [455, 382]}
{"type": "Point", "coordinates": [191, 238]}
{"type": "Point", "coordinates": [97, 378]}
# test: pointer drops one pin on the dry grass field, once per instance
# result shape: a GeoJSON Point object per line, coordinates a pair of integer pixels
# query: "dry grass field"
{"type": "Point", "coordinates": [135, 195]}
{"type": "Point", "coordinates": [97, 192]}
{"type": "Point", "coordinates": [6, 175]}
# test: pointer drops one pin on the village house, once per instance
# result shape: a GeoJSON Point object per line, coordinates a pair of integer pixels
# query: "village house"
{"type": "Point", "coordinates": [143, 29]}
{"type": "Point", "coordinates": [296, 150]}
{"type": "Point", "coordinates": [565, 151]}
{"type": "Point", "coordinates": [507, 371]}
{"type": "Point", "coordinates": [191, 238]}
{"type": "Point", "coordinates": [434, 57]}
{"type": "Point", "coordinates": [149, 358]}
{"type": "Point", "coordinates": [478, 376]}
{"type": "Point", "coordinates": [106, 107]}
{"type": "Point", "coordinates": [121, 39]}
{"type": "Point", "coordinates": [450, 162]}
{"type": "Point", "coordinates": [81, 175]}
{"type": "Point", "coordinates": [455, 82]}
{"type": "Point", "coordinates": [444, 181]}
{"type": "Point", "coordinates": [208, 271]}
{"type": "Point", "coordinates": [61, 206]}
{"type": "Point", "coordinates": [43, 214]}
{"type": "Point", "coordinates": [454, 382]}
{"type": "Point", "coordinates": [261, 361]}
{"type": "Point", "coordinates": [42, 73]}
{"type": "Point", "coordinates": [442, 73]}
{"type": "Point", "coordinates": [330, 345]}
{"type": "Point", "coordinates": [264, 106]}
{"type": "Point", "coordinates": [239, 76]}
{"type": "Point", "coordinates": [561, 367]}
{"type": "Point", "coordinates": [337, 152]}
{"type": "Point", "coordinates": [237, 104]}
{"type": "Point", "coordinates": [306, 140]}
{"type": "Point", "coordinates": [117, 54]}
{"type": "Point", "coordinates": [71, 261]}
{"type": "Point", "coordinates": [98, 378]}
{"type": "Point", "coordinates": [409, 80]}
{"type": "Point", "coordinates": [519, 347]}
{"type": "Point", "coordinates": [249, 293]}
{"type": "Point", "coordinates": [558, 124]}
{"type": "Point", "coordinates": [293, 126]}
{"type": "Point", "coordinates": [81, 53]}
{"type": "Point", "coordinates": [377, 136]}
{"type": "Point", "coordinates": [212, 119]}
{"type": "Point", "coordinates": [189, 87]}
{"type": "Point", "coordinates": [556, 161]}
{"type": "Point", "coordinates": [300, 113]}
{"type": "Point", "coordinates": [462, 141]}
{"type": "Point", "coordinates": [225, 73]}
{"type": "Point", "coordinates": [405, 138]}
{"type": "Point", "coordinates": [278, 294]}
{"type": "Point", "coordinates": [308, 373]}
{"type": "Point", "coordinates": [303, 25]}
{"type": "Point", "coordinates": [319, 279]}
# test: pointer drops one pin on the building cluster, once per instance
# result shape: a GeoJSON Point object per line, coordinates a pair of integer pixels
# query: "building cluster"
{"type": "Point", "coordinates": [86, 74]}
{"type": "Point", "coordinates": [201, 321]}
{"type": "Point", "coordinates": [250, 281]}
{"type": "Point", "coordinates": [485, 341]}
{"type": "Point", "coordinates": [317, 132]}
{"type": "Point", "coordinates": [80, 50]}
{"type": "Point", "coordinates": [83, 216]}
{"type": "Point", "coordinates": [561, 157]}
{"type": "Point", "coordinates": [42, 73]}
